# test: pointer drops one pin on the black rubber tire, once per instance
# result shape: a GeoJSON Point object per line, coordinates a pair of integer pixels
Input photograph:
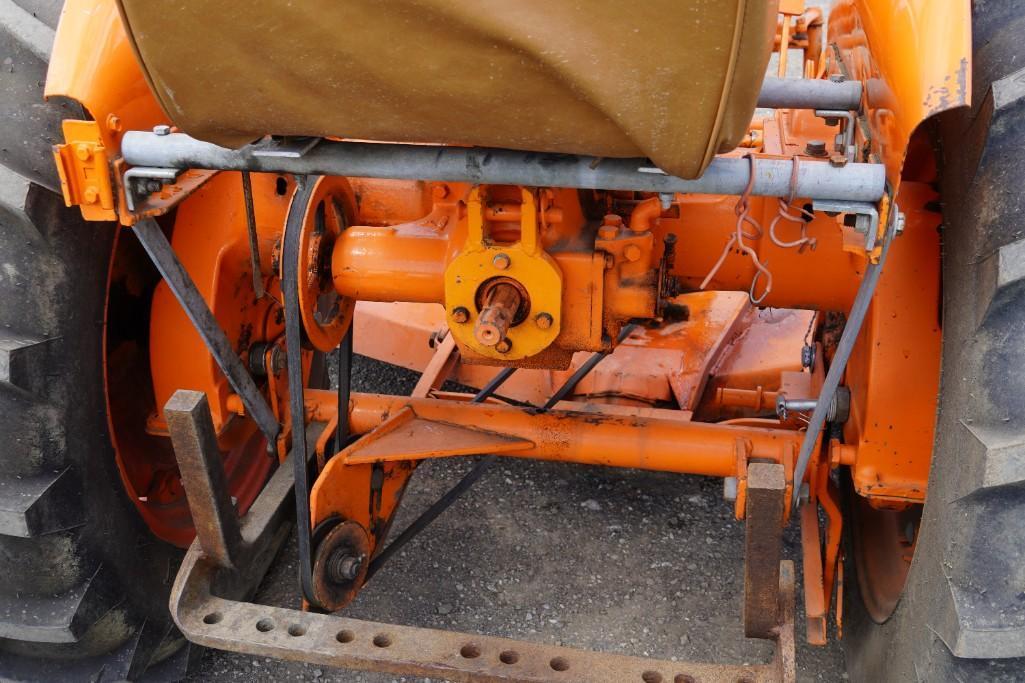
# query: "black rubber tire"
{"type": "Point", "coordinates": [961, 616]}
{"type": "Point", "coordinates": [84, 587]}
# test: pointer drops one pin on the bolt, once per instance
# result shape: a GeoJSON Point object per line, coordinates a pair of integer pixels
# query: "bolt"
{"type": "Point", "coordinates": [114, 123]}
{"type": "Point", "coordinates": [807, 356]}
{"type": "Point", "coordinates": [543, 320]}
{"type": "Point", "coordinates": [503, 345]}
{"type": "Point", "coordinates": [83, 152]}
{"type": "Point", "coordinates": [162, 129]}
{"type": "Point", "coordinates": [343, 567]}
{"type": "Point", "coordinates": [838, 160]}
{"type": "Point", "coordinates": [439, 191]}
{"type": "Point", "coordinates": [501, 261]}
{"type": "Point", "coordinates": [837, 78]}
{"type": "Point", "coordinates": [729, 489]}
{"type": "Point", "coordinates": [90, 195]}
{"type": "Point", "coordinates": [610, 226]}
{"type": "Point", "coordinates": [816, 148]}
{"type": "Point", "coordinates": [460, 315]}
{"type": "Point", "coordinates": [832, 121]}
{"type": "Point", "coordinates": [899, 221]}
{"type": "Point", "coordinates": [154, 186]}
{"type": "Point", "coordinates": [632, 252]}
{"type": "Point", "coordinates": [665, 199]}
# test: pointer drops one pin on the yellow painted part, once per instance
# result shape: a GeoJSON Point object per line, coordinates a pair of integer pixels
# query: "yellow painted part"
{"type": "Point", "coordinates": [83, 171]}
{"type": "Point", "coordinates": [529, 265]}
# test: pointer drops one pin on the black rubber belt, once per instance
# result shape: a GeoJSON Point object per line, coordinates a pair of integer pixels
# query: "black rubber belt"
{"type": "Point", "coordinates": [293, 346]}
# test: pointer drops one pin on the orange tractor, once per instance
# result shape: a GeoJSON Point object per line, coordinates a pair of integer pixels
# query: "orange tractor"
{"type": "Point", "coordinates": [635, 246]}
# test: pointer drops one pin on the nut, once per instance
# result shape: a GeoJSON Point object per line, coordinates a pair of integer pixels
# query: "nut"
{"type": "Point", "coordinates": [503, 345]}
{"type": "Point", "coordinates": [838, 160]}
{"type": "Point", "coordinates": [162, 129]}
{"type": "Point", "coordinates": [632, 252]}
{"type": "Point", "coordinates": [543, 320]}
{"type": "Point", "coordinates": [343, 567]}
{"type": "Point", "coordinates": [816, 148]}
{"type": "Point", "coordinates": [460, 314]}
{"type": "Point", "coordinates": [501, 261]}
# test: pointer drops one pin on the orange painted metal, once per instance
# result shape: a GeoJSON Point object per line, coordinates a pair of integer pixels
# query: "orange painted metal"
{"type": "Point", "coordinates": [914, 56]}
{"type": "Point", "coordinates": [82, 167]}
{"type": "Point", "coordinates": [209, 236]}
{"type": "Point", "coordinates": [914, 61]}
{"type": "Point", "coordinates": [93, 63]}
{"type": "Point", "coordinates": [586, 438]}
{"type": "Point", "coordinates": [663, 366]}
{"type": "Point", "coordinates": [893, 373]}
{"type": "Point", "coordinates": [345, 492]}
{"type": "Point", "coordinates": [816, 603]}
{"type": "Point", "coordinates": [406, 436]}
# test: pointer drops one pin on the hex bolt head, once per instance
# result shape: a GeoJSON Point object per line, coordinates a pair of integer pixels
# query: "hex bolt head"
{"type": "Point", "coordinates": [162, 129]}
{"type": "Point", "coordinates": [503, 345]}
{"type": "Point", "coordinates": [543, 320]}
{"type": "Point", "coordinates": [816, 148]}
{"type": "Point", "coordinates": [460, 314]}
{"type": "Point", "coordinates": [501, 261]}
{"type": "Point", "coordinates": [632, 252]}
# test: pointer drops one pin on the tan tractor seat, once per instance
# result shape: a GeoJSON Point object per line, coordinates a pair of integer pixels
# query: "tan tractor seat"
{"type": "Point", "coordinates": [672, 80]}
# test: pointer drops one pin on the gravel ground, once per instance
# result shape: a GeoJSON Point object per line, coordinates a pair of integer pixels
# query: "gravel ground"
{"type": "Point", "coordinates": [623, 561]}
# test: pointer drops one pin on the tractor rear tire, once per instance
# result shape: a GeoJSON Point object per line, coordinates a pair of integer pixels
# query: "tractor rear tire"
{"type": "Point", "coordinates": [83, 583]}
{"type": "Point", "coordinates": [961, 615]}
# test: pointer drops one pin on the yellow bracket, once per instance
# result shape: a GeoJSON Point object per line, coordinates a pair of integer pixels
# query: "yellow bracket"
{"type": "Point", "coordinates": [523, 261]}
{"type": "Point", "coordinates": [84, 172]}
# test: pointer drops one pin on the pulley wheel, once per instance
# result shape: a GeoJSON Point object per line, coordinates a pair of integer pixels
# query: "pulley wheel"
{"type": "Point", "coordinates": [340, 565]}
{"type": "Point", "coordinates": [321, 210]}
